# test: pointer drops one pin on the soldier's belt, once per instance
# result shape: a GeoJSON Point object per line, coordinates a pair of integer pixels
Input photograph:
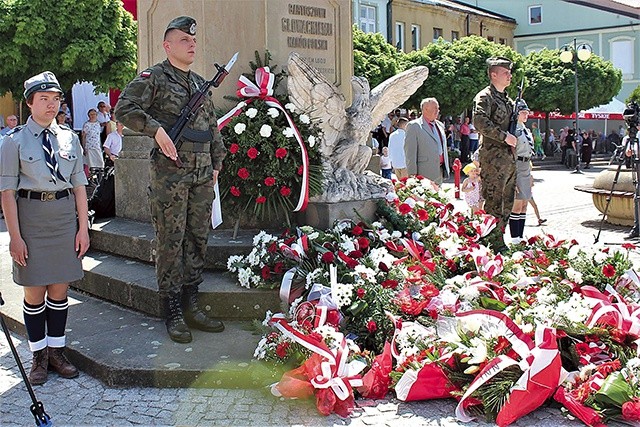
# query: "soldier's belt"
{"type": "Point", "coordinates": [197, 135]}
{"type": "Point", "coordinates": [195, 147]}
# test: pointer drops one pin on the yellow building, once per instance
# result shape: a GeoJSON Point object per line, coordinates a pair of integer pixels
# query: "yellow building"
{"type": "Point", "coordinates": [7, 107]}
{"type": "Point", "coordinates": [417, 23]}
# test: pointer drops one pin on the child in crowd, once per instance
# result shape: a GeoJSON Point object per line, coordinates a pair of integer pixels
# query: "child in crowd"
{"type": "Point", "coordinates": [385, 163]}
{"type": "Point", "coordinates": [472, 188]}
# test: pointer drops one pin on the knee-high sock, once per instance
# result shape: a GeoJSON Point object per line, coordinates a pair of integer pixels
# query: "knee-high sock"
{"type": "Point", "coordinates": [56, 321]}
{"type": "Point", "coordinates": [523, 218]}
{"type": "Point", "coordinates": [34, 321]}
{"type": "Point", "coordinates": [513, 224]}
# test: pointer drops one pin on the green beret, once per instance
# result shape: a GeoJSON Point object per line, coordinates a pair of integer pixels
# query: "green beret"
{"type": "Point", "coordinates": [499, 61]}
{"type": "Point", "coordinates": [43, 82]}
{"type": "Point", "coordinates": [183, 23]}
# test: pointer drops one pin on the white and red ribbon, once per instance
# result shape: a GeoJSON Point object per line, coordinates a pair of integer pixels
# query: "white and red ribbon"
{"type": "Point", "coordinates": [263, 89]}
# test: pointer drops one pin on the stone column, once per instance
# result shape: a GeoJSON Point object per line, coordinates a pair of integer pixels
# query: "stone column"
{"type": "Point", "coordinates": [132, 177]}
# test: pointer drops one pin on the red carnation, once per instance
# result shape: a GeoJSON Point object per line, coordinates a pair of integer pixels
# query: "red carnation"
{"type": "Point", "coordinates": [328, 257]}
{"type": "Point", "coordinates": [360, 293]}
{"type": "Point", "coordinates": [233, 149]}
{"type": "Point", "coordinates": [355, 254]}
{"type": "Point", "coordinates": [631, 410]}
{"type": "Point", "coordinates": [363, 243]}
{"type": "Point", "coordinates": [265, 272]}
{"type": "Point", "coordinates": [390, 284]}
{"type": "Point", "coordinates": [300, 170]}
{"type": "Point", "coordinates": [278, 268]}
{"type": "Point", "coordinates": [243, 173]}
{"type": "Point", "coordinates": [261, 199]}
{"type": "Point", "coordinates": [404, 208]}
{"type": "Point", "coordinates": [252, 153]}
{"type": "Point", "coordinates": [608, 271]}
{"type": "Point", "coordinates": [269, 181]}
{"type": "Point", "coordinates": [423, 215]}
{"type": "Point", "coordinates": [285, 191]}
{"type": "Point", "coordinates": [357, 230]}
{"type": "Point", "coordinates": [235, 191]}
{"type": "Point", "coordinates": [372, 326]}
{"type": "Point", "coordinates": [281, 349]}
{"type": "Point", "coordinates": [281, 153]}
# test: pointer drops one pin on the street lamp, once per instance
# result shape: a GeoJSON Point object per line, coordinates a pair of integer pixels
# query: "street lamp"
{"type": "Point", "coordinates": [574, 53]}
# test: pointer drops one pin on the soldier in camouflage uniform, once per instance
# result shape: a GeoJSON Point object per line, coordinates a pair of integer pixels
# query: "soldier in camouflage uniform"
{"type": "Point", "coordinates": [180, 197]}
{"type": "Point", "coordinates": [491, 114]}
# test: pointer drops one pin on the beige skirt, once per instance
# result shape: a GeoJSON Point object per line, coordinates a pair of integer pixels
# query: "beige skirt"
{"type": "Point", "coordinates": [49, 231]}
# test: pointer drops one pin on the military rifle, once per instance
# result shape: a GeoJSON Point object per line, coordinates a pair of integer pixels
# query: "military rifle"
{"type": "Point", "coordinates": [196, 101]}
{"type": "Point", "coordinates": [513, 122]}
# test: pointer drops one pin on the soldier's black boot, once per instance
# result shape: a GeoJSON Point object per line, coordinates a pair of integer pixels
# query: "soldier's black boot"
{"type": "Point", "coordinates": [633, 234]}
{"type": "Point", "coordinates": [176, 326]}
{"type": "Point", "coordinates": [194, 316]}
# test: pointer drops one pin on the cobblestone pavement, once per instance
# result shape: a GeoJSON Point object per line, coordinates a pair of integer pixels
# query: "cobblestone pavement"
{"type": "Point", "coordinates": [85, 401]}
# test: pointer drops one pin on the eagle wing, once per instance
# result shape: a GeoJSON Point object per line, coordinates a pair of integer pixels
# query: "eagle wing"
{"type": "Point", "coordinates": [312, 93]}
{"type": "Point", "coordinates": [395, 91]}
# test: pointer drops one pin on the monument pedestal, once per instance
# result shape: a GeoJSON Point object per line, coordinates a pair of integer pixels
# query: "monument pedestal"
{"type": "Point", "coordinates": [322, 215]}
{"type": "Point", "coordinates": [132, 177]}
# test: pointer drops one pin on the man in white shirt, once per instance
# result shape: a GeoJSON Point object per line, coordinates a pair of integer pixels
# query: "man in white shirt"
{"type": "Point", "coordinates": [396, 149]}
{"type": "Point", "coordinates": [113, 144]}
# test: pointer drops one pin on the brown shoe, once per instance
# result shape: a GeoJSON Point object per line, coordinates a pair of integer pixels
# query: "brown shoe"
{"type": "Point", "coordinates": [38, 373]}
{"type": "Point", "coordinates": [58, 362]}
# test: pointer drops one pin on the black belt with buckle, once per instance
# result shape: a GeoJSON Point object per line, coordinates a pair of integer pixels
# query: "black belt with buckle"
{"type": "Point", "coordinates": [523, 159]}
{"type": "Point", "coordinates": [44, 196]}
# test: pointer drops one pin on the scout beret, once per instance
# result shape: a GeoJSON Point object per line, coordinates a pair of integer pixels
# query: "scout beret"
{"type": "Point", "coordinates": [521, 105]}
{"type": "Point", "coordinates": [499, 61]}
{"type": "Point", "coordinates": [43, 82]}
{"type": "Point", "coordinates": [183, 23]}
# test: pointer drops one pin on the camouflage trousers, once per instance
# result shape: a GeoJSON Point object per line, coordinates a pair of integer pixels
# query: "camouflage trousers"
{"type": "Point", "coordinates": [180, 201]}
{"type": "Point", "coordinates": [498, 173]}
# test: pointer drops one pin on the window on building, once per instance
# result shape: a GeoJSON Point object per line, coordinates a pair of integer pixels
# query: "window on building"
{"type": "Point", "coordinates": [535, 15]}
{"type": "Point", "coordinates": [502, 41]}
{"type": "Point", "coordinates": [367, 18]}
{"type": "Point", "coordinates": [415, 37]}
{"type": "Point", "coordinates": [490, 38]}
{"type": "Point", "coordinates": [455, 35]}
{"type": "Point", "coordinates": [623, 57]}
{"type": "Point", "coordinates": [437, 33]}
{"type": "Point", "coordinates": [400, 35]}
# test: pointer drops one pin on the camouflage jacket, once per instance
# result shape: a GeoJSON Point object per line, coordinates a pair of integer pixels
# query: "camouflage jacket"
{"type": "Point", "coordinates": [156, 97]}
{"type": "Point", "coordinates": [491, 113]}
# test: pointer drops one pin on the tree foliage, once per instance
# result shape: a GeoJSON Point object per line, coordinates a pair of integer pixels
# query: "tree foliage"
{"type": "Point", "coordinates": [91, 40]}
{"type": "Point", "coordinates": [550, 82]}
{"type": "Point", "coordinates": [374, 58]}
{"type": "Point", "coordinates": [458, 71]}
{"type": "Point", "coordinates": [635, 95]}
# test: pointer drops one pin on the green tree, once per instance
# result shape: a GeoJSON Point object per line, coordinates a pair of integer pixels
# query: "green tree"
{"type": "Point", "coordinates": [374, 58]}
{"type": "Point", "coordinates": [550, 82]}
{"type": "Point", "coordinates": [458, 71]}
{"type": "Point", "coordinates": [635, 95]}
{"type": "Point", "coordinates": [91, 40]}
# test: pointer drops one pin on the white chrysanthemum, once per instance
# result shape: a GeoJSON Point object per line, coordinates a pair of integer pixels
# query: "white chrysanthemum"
{"type": "Point", "coordinates": [634, 364]}
{"type": "Point", "coordinates": [273, 112]}
{"type": "Point", "coordinates": [517, 256]}
{"type": "Point", "coordinates": [262, 236]}
{"type": "Point", "coordinates": [553, 268]}
{"type": "Point", "coordinates": [267, 317]}
{"type": "Point", "coordinates": [234, 262]}
{"type": "Point", "coordinates": [411, 182]}
{"type": "Point", "coordinates": [574, 275]}
{"type": "Point", "coordinates": [478, 351]}
{"type": "Point", "coordinates": [396, 234]}
{"type": "Point", "coordinates": [239, 128]}
{"type": "Point", "coordinates": [265, 131]}
{"type": "Point", "coordinates": [251, 113]}
{"type": "Point", "coordinates": [341, 226]}
{"type": "Point", "coordinates": [305, 119]}
{"type": "Point", "coordinates": [381, 254]}
{"type": "Point", "coordinates": [574, 252]}
{"type": "Point", "coordinates": [342, 294]}
{"type": "Point", "coordinates": [391, 196]}
{"type": "Point", "coordinates": [545, 296]}
{"type": "Point", "coordinates": [411, 202]}
{"type": "Point", "coordinates": [577, 309]}
{"type": "Point", "coordinates": [365, 273]}
{"type": "Point", "coordinates": [600, 257]}
{"type": "Point", "coordinates": [289, 106]}
{"type": "Point", "coordinates": [469, 293]}
{"type": "Point", "coordinates": [244, 277]}
{"type": "Point", "coordinates": [260, 351]}
{"type": "Point", "coordinates": [313, 236]}
{"type": "Point", "coordinates": [314, 277]}
{"type": "Point", "coordinates": [288, 132]}
{"type": "Point", "coordinates": [311, 140]}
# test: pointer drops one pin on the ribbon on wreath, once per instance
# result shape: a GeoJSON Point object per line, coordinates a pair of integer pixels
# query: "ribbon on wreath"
{"type": "Point", "coordinates": [333, 374]}
{"type": "Point", "coordinates": [540, 363]}
{"type": "Point", "coordinates": [263, 89]}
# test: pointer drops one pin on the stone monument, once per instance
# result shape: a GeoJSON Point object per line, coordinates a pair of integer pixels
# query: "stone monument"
{"type": "Point", "coordinates": [318, 30]}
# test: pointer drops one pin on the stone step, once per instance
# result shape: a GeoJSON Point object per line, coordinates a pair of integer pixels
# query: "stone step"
{"type": "Point", "coordinates": [124, 348]}
{"type": "Point", "coordinates": [133, 239]}
{"type": "Point", "coordinates": [132, 284]}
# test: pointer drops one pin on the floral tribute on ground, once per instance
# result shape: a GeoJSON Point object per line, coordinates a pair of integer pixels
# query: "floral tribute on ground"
{"type": "Point", "coordinates": [417, 305]}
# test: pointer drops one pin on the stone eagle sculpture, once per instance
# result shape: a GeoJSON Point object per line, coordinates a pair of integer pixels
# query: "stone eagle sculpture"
{"type": "Point", "coordinates": [346, 129]}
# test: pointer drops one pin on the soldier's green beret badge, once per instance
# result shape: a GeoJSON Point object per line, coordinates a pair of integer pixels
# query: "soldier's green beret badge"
{"type": "Point", "coordinates": [499, 61]}
{"type": "Point", "coordinates": [183, 23]}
